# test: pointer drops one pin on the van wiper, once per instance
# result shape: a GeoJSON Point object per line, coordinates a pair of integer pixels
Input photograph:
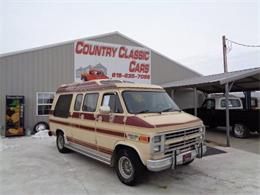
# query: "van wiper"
{"type": "Point", "coordinates": [170, 109]}
{"type": "Point", "coordinates": [166, 110]}
{"type": "Point", "coordinates": [143, 111]}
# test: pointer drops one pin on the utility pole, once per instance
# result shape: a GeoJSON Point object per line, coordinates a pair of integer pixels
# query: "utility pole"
{"type": "Point", "coordinates": [224, 53]}
{"type": "Point", "coordinates": [226, 90]}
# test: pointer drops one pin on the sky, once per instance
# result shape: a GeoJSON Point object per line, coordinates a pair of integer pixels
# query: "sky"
{"type": "Point", "coordinates": [188, 32]}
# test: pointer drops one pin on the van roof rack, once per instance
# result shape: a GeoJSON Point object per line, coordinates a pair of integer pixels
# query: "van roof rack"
{"type": "Point", "coordinates": [99, 84]}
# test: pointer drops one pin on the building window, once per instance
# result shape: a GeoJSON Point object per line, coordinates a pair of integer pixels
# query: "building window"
{"type": "Point", "coordinates": [44, 101]}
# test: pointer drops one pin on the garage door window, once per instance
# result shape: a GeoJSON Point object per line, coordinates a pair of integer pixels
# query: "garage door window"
{"type": "Point", "coordinates": [44, 101]}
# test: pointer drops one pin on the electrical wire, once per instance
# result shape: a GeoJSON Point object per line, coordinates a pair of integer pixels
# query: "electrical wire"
{"type": "Point", "coordinates": [241, 44]}
{"type": "Point", "coordinates": [229, 46]}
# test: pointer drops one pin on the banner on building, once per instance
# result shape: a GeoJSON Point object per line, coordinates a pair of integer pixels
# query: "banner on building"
{"type": "Point", "coordinates": [97, 60]}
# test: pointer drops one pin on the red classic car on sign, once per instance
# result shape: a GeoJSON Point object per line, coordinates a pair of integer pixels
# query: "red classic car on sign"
{"type": "Point", "coordinates": [93, 74]}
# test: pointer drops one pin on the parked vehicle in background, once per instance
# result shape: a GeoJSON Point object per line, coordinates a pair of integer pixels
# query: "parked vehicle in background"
{"type": "Point", "coordinates": [213, 114]}
{"type": "Point", "coordinates": [128, 126]}
{"type": "Point", "coordinates": [255, 103]}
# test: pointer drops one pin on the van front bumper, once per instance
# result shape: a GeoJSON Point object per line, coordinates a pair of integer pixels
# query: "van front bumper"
{"type": "Point", "coordinates": [175, 159]}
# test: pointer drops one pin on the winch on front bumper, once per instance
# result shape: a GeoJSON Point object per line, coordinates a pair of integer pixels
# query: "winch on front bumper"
{"type": "Point", "coordinates": [176, 159]}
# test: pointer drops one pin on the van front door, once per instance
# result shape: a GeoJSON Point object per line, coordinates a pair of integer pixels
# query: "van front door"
{"type": "Point", "coordinates": [110, 127]}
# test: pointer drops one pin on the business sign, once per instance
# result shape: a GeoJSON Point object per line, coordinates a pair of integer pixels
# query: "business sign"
{"type": "Point", "coordinates": [103, 60]}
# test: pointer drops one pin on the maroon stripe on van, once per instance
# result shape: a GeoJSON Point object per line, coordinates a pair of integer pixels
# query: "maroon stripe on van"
{"type": "Point", "coordinates": [105, 150]}
{"type": "Point", "coordinates": [90, 145]}
{"type": "Point", "coordinates": [171, 124]}
{"type": "Point", "coordinates": [73, 125]}
{"type": "Point", "coordinates": [115, 133]}
{"type": "Point", "coordinates": [135, 121]}
{"type": "Point", "coordinates": [87, 116]}
{"type": "Point", "coordinates": [87, 128]}
{"type": "Point", "coordinates": [132, 120]}
{"type": "Point", "coordinates": [119, 119]}
{"type": "Point", "coordinates": [75, 115]}
{"type": "Point", "coordinates": [105, 118]}
{"type": "Point", "coordinates": [83, 143]}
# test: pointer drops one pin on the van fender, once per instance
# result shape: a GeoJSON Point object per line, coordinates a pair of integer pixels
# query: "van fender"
{"type": "Point", "coordinates": [126, 144]}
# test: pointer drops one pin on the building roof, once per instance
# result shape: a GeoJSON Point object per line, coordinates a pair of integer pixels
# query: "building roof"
{"type": "Point", "coordinates": [97, 37]}
{"type": "Point", "coordinates": [243, 80]}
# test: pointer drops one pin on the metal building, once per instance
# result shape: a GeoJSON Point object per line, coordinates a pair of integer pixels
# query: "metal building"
{"type": "Point", "coordinates": [36, 74]}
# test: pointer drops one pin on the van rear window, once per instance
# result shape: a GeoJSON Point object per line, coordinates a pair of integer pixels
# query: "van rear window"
{"type": "Point", "coordinates": [62, 107]}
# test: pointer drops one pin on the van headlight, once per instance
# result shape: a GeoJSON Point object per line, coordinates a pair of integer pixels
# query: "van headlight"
{"type": "Point", "coordinates": [157, 148]}
{"type": "Point", "coordinates": [157, 143]}
{"type": "Point", "coordinates": [202, 129]}
{"type": "Point", "coordinates": [157, 139]}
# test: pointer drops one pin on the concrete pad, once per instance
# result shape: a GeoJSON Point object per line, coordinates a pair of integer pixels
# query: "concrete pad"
{"type": "Point", "coordinates": [250, 144]}
{"type": "Point", "coordinates": [34, 166]}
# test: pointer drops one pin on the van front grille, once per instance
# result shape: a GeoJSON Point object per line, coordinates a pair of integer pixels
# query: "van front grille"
{"type": "Point", "coordinates": [181, 133]}
{"type": "Point", "coordinates": [183, 144]}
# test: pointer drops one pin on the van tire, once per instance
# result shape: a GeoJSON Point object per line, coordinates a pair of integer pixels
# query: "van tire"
{"type": "Point", "coordinates": [128, 167]}
{"type": "Point", "coordinates": [60, 142]}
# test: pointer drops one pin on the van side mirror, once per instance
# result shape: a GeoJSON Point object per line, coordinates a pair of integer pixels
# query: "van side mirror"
{"type": "Point", "coordinates": [104, 110]}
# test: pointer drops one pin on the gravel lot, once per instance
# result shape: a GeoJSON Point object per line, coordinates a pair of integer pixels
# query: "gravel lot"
{"type": "Point", "coordinates": [34, 166]}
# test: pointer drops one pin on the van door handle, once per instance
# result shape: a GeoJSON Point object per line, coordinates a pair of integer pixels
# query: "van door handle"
{"type": "Point", "coordinates": [98, 118]}
{"type": "Point", "coordinates": [111, 117]}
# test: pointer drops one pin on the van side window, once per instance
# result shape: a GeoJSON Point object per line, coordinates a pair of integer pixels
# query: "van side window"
{"type": "Point", "coordinates": [62, 106]}
{"type": "Point", "coordinates": [112, 100]}
{"type": "Point", "coordinates": [90, 102]}
{"type": "Point", "coordinates": [78, 101]}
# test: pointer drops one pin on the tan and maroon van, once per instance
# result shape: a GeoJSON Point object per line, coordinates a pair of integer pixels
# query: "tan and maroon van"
{"type": "Point", "coordinates": [128, 126]}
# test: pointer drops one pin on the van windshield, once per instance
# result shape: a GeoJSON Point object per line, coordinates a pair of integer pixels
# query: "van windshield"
{"type": "Point", "coordinates": [138, 102]}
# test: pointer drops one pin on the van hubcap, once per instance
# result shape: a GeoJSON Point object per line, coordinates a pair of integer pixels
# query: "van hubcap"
{"type": "Point", "coordinates": [125, 167]}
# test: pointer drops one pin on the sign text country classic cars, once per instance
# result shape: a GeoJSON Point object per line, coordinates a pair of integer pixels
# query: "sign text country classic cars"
{"type": "Point", "coordinates": [105, 60]}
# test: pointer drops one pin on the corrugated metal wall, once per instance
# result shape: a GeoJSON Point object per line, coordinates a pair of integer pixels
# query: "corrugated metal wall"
{"type": "Point", "coordinates": [40, 70]}
{"type": "Point", "coordinates": [45, 69]}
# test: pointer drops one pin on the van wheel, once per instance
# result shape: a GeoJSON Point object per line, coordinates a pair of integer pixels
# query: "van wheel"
{"type": "Point", "coordinates": [128, 167]}
{"type": "Point", "coordinates": [240, 131]}
{"type": "Point", "coordinates": [60, 141]}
